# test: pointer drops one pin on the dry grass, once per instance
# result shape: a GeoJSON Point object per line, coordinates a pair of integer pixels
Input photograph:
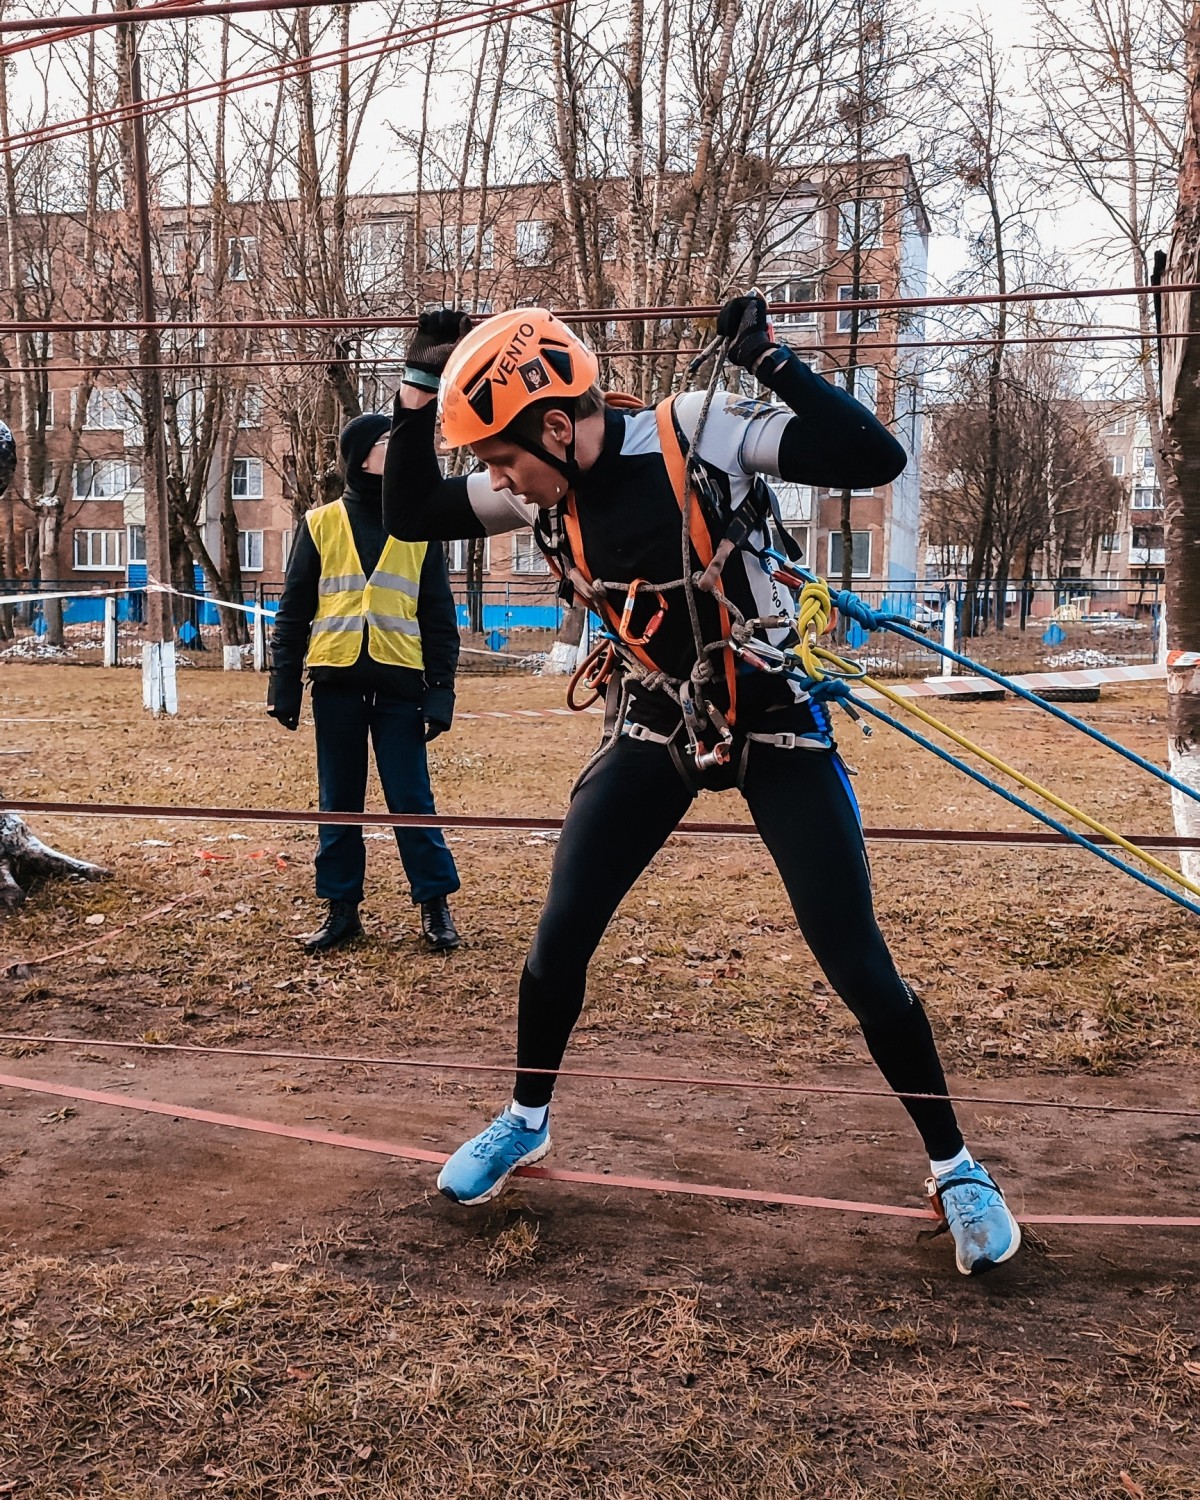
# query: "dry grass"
{"type": "Point", "coordinates": [412, 1355]}
{"type": "Point", "coordinates": [297, 1381]}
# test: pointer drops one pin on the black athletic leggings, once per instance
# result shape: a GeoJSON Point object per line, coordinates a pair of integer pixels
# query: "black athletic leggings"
{"type": "Point", "coordinates": [621, 816]}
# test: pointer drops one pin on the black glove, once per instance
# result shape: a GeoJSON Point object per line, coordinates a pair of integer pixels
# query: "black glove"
{"type": "Point", "coordinates": [284, 697]}
{"type": "Point", "coordinates": [438, 710]}
{"type": "Point", "coordinates": [745, 321]}
{"type": "Point", "coordinates": [435, 338]}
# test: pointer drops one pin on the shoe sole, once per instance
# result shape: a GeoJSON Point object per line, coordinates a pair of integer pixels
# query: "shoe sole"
{"type": "Point", "coordinates": [442, 947]}
{"type": "Point", "coordinates": [526, 1161]}
{"type": "Point", "coordinates": [351, 937]}
{"type": "Point", "coordinates": [981, 1267]}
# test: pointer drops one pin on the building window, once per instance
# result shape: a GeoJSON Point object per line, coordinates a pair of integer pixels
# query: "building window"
{"type": "Point", "coordinates": [247, 479]}
{"type": "Point", "coordinates": [286, 540]}
{"type": "Point", "coordinates": [381, 243]}
{"type": "Point", "coordinates": [97, 549]}
{"type": "Point", "coordinates": [1118, 464]}
{"type": "Point", "coordinates": [800, 535]}
{"type": "Point", "coordinates": [105, 478]}
{"type": "Point", "coordinates": [1110, 542]}
{"type": "Point", "coordinates": [532, 242]}
{"type": "Point", "coordinates": [1147, 460]}
{"type": "Point", "coordinates": [250, 551]}
{"type": "Point", "coordinates": [794, 291]}
{"type": "Point", "coordinates": [795, 501]}
{"type": "Point", "coordinates": [1117, 427]}
{"type": "Point", "coordinates": [1145, 498]}
{"type": "Point", "coordinates": [870, 225]}
{"type": "Point", "coordinates": [861, 562]}
{"type": "Point", "coordinates": [442, 254]}
{"type": "Point", "coordinates": [527, 556]}
{"type": "Point", "coordinates": [250, 412]}
{"type": "Point", "coordinates": [243, 253]}
{"type": "Point", "coordinates": [866, 384]}
{"type": "Point", "coordinates": [458, 553]}
{"type": "Point", "coordinates": [799, 230]}
{"type": "Point", "coordinates": [135, 543]}
{"type": "Point", "coordinates": [868, 317]}
{"type": "Point", "coordinates": [607, 239]}
{"type": "Point", "coordinates": [108, 410]}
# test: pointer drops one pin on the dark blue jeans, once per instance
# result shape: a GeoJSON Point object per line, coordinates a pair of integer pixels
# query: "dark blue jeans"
{"type": "Point", "coordinates": [346, 716]}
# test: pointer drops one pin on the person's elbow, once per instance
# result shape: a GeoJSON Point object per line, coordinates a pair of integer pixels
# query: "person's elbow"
{"type": "Point", "coordinates": [884, 458]}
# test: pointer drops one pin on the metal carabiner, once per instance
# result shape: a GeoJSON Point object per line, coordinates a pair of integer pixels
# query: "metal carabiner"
{"type": "Point", "coordinates": [623, 628]}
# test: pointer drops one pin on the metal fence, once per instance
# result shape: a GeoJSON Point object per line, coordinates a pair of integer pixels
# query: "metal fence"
{"type": "Point", "coordinates": [512, 625]}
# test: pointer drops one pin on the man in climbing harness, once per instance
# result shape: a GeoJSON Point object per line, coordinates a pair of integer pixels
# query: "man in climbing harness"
{"type": "Point", "coordinates": [373, 620]}
{"type": "Point", "coordinates": [662, 521]}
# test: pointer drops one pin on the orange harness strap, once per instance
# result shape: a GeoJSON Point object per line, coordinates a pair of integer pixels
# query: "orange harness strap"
{"type": "Point", "coordinates": [676, 462]}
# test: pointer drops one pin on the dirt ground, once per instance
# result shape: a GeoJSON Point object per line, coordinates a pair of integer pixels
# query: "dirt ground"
{"type": "Point", "coordinates": [186, 1310]}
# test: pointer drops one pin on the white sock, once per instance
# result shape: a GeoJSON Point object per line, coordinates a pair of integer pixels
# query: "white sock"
{"type": "Point", "coordinates": [963, 1159]}
{"type": "Point", "coordinates": [534, 1115]}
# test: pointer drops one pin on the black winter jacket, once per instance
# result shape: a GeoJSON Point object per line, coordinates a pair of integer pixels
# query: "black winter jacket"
{"type": "Point", "coordinates": [435, 614]}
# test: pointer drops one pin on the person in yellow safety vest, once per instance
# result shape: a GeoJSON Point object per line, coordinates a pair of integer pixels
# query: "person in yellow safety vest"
{"type": "Point", "coordinates": [373, 621]}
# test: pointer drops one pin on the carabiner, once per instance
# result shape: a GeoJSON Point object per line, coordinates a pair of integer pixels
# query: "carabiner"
{"type": "Point", "coordinates": [623, 629]}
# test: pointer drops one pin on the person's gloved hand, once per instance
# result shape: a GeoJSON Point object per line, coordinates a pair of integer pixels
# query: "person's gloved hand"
{"type": "Point", "coordinates": [431, 346]}
{"type": "Point", "coordinates": [284, 697]}
{"type": "Point", "coordinates": [746, 321]}
{"type": "Point", "coordinates": [438, 711]}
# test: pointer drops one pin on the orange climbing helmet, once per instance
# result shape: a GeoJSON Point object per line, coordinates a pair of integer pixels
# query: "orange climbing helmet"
{"type": "Point", "coordinates": [504, 365]}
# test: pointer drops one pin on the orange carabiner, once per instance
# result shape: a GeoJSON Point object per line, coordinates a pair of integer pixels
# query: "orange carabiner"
{"type": "Point", "coordinates": [656, 620]}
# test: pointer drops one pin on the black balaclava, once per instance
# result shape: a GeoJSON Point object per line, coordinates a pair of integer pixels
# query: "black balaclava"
{"type": "Point", "coordinates": [355, 443]}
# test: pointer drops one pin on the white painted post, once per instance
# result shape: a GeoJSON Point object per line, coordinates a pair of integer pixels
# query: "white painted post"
{"type": "Point", "coordinates": [110, 631]}
{"type": "Point", "coordinates": [949, 628]}
{"type": "Point", "coordinates": [159, 691]}
{"type": "Point", "coordinates": [258, 628]}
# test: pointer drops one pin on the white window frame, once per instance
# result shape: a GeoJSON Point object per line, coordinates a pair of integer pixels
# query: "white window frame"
{"type": "Point", "coordinates": [1145, 497]}
{"type": "Point", "coordinates": [381, 242]}
{"type": "Point", "coordinates": [250, 408]}
{"type": "Point", "coordinates": [868, 317]}
{"type": "Point", "coordinates": [858, 571]}
{"type": "Point", "coordinates": [800, 227]}
{"type": "Point", "coordinates": [246, 550]}
{"type": "Point", "coordinates": [532, 239]}
{"type": "Point", "coordinates": [107, 410]}
{"type": "Point", "coordinates": [103, 541]}
{"type": "Point", "coordinates": [456, 555]}
{"type": "Point", "coordinates": [786, 291]}
{"type": "Point", "coordinates": [870, 224]}
{"type": "Point", "coordinates": [251, 478]}
{"type": "Point", "coordinates": [1110, 542]}
{"type": "Point", "coordinates": [243, 257]}
{"type": "Point", "coordinates": [135, 544]}
{"type": "Point", "coordinates": [116, 476]}
{"type": "Point", "coordinates": [1147, 460]}
{"type": "Point", "coordinates": [1118, 427]}
{"type": "Point", "coordinates": [528, 559]}
{"type": "Point", "coordinates": [797, 502]}
{"type": "Point", "coordinates": [608, 238]}
{"type": "Point", "coordinates": [1118, 465]}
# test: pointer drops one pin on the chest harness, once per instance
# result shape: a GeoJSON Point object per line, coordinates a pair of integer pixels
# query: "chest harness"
{"type": "Point", "coordinates": [621, 658]}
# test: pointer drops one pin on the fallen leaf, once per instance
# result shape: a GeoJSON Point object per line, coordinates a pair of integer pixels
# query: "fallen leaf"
{"type": "Point", "coordinates": [1132, 1486]}
{"type": "Point", "coordinates": [95, 920]}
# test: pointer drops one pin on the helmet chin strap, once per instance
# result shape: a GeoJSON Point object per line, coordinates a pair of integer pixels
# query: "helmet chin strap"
{"type": "Point", "coordinates": [567, 466]}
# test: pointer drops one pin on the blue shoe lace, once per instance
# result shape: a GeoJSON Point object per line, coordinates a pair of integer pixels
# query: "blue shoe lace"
{"type": "Point", "coordinates": [502, 1138]}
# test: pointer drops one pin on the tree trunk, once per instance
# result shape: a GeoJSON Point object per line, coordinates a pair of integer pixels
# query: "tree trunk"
{"type": "Point", "coordinates": [24, 858]}
{"type": "Point", "coordinates": [1181, 453]}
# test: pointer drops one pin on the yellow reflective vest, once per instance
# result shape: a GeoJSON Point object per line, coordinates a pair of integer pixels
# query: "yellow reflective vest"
{"type": "Point", "coordinates": [386, 603]}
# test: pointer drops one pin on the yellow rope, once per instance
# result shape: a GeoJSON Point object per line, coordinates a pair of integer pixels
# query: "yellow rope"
{"type": "Point", "coordinates": [815, 610]}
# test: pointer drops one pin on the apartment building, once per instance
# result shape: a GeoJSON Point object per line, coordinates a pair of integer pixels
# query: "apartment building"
{"type": "Point", "coordinates": [1136, 547]}
{"type": "Point", "coordinates": [284, 389]}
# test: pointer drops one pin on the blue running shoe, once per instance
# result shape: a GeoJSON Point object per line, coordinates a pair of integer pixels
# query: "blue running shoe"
{"type": "Point", "coordinates": [478, 1170]}
{"type": "Point", "coordinates": [984, 1231]}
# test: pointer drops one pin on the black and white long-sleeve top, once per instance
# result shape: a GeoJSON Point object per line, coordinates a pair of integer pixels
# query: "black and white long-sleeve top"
{"type": "Point", "coordinates": [628, 515]}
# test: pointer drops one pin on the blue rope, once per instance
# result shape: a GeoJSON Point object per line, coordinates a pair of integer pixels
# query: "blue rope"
{"type": "Point", "coordinates": [889, 623]}
{"type": "Point", "coordinates": [1011, 797]}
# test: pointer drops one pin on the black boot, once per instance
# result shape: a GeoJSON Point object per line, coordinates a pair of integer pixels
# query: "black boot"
{"type": "Point", "coordinates": [437, 925]}
{"type": "Point", "coordinates": [340, 926]}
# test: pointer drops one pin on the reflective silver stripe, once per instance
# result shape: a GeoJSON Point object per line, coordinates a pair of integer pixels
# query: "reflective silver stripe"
{"type": "Point", "coordinates": [393, 622]}
{"type": "Point", "coordinates": [397, 581]}
{"type": "Point", "coordinates": [336, 624]}
{"type": "Point", "coordinates": [347, 583]}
